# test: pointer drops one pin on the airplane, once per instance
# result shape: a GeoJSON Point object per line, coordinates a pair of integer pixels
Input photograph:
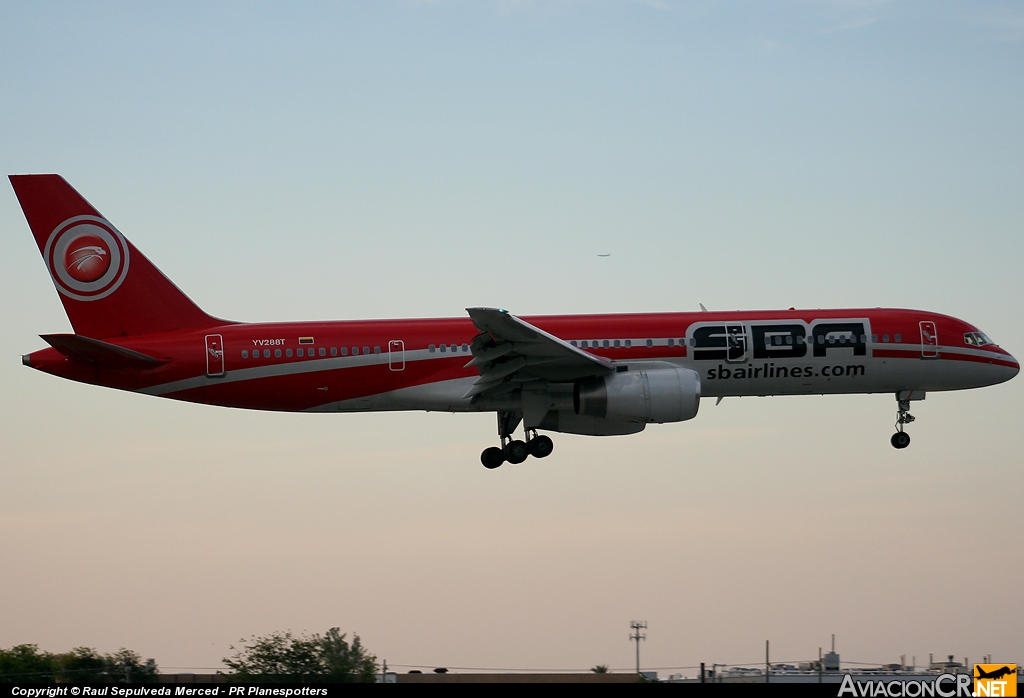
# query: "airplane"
{"type": "Point", "coordinates": [597, 375]}
{"type": "Point", "coordinates": [995, 673]}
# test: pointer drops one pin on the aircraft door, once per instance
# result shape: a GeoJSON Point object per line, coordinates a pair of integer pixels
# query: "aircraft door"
{"type": "Point", "coordinates": [736, 340]}
{"type": "Point", "coordinates": [929, 340]}
{"type": "Point", "coordinates": [396, 355]}
{"type": "Point", "coordinates": [214, 355]}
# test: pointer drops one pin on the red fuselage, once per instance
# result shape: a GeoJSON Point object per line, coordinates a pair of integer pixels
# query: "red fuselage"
{"type": "Point", "coordinates": [421, 364]}
{"type": "Point", "coordinates": [597, 375]}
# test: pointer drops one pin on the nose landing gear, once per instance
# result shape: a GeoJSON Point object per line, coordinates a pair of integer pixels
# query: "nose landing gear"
{"type": "Point", "coordinates": [513, 450]}
{"type": "Point", "coordinates": [901, 439]}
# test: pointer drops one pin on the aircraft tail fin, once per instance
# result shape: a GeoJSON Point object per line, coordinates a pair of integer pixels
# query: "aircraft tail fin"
{"type": "Point", "coordinates": [107, 286]}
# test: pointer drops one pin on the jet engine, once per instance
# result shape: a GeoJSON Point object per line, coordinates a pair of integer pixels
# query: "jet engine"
{"type": "Point", "coordinates": [644, 395]}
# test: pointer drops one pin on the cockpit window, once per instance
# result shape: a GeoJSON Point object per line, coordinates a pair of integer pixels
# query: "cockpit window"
{"type": "Point", "coordinates": [976, 339]}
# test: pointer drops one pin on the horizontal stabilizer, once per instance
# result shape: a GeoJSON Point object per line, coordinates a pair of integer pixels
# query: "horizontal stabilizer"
{"type": "Point", "coordinates": [100, 353]}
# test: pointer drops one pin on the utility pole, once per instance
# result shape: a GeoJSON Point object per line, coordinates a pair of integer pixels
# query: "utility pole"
{"type": "Point", "coordinates": [767, 664]}
{"type": "Point", "coordinates": [637, 626]}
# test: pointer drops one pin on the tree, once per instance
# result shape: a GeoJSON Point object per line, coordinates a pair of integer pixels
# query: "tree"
{"type": "Point", "coordinates": [600, 669]}
{"type": "Point", "coordinates": [345, 662]}
{"type": "Point", "coordinates": [82, 664]}
{"type": "Point", "coordinates": [284, 657]}
{"type": "Point", "coordinates": [129, 664]}
{"type": "Point", "coordinates": [25, 664]}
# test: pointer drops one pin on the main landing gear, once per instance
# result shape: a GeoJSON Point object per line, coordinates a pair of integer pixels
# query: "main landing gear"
{"type": "Point", "coordinates": [513, 450]}
{"type": "Point", "coordinates": [901, 439]}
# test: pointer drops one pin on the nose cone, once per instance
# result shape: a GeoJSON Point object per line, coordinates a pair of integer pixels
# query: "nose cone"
{"type": "Point", "coordinates": [1005, 367]}
{"type": "Point", "coordinates": [1013, 366]}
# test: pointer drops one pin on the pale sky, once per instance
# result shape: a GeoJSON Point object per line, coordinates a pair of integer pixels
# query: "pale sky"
{"type": "Point", "coordinates": [308, 160]}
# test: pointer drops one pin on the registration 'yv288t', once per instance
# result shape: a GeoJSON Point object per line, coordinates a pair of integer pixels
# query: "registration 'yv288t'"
{"type": "Point", "coordinates": [598, 375]}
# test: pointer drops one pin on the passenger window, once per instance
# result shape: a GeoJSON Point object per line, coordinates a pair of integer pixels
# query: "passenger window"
{"type": "Point", "coordinates": [605, 343]}
{"type": "Point", "coordinates": [628, 344]}
{"type": "Point", "coordinates": [455, 348]}
{"type": "Point", "coordinates": [573, 342]}
{"type": "Point", "coordinates": [650, 342]}
{"type": "Point", "coordinates": [323, 351]}
{"type": "Point", "coordinates": [266, 353]}
{"type": "Point", "coordinates": [671, 342]}
{"type": "Point", "coordinates": [245, 353]}
{"type": "Point", "coordinates": [334, 351]}
{"type": "Point", "coordinates": [366, 350]}
{"type": "Point", "coordinates": [431, 348]}
{"type": "Point", "coordinates": [465, 348]}
{"type": "Point", "coordinates": [344, 351]}
{"type": "Point", "coordinates": [899, 338]}
{"type": "Point", "coordinates": [885, 338]}
{"type": "Point", "coordinates": [874, 339]}
{"type": "Point", "coordinates": [616, 344]}
{"type": "Point", "coordinates": [789, 339]}
{"type": "Point", "coordinates": [277, 353]}
{"type": "Point", "coordinates": [376, 350]}
{"type": "Point", "coordinates": [444, 348]}
{"type": "Point", "coordinates": [355, 351]}
{"type": "Point", "coordinates": [288, 353]}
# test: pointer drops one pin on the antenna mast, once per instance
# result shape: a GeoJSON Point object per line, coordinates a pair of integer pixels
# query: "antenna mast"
{"type": "Point", "coordinates": [637, 626]}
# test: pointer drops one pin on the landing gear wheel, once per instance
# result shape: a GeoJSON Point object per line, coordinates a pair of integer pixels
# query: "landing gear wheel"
{"type": "Point", "coordinates": [900, 439]}
{"type": "Point", "coordinates": [903, 417]}
{"type": "Point", "coordinates": [540, 446]}
{"type": "Point", "coordinates": [516, 452]}
{"type": "Point", "coordinates": [492, 457]}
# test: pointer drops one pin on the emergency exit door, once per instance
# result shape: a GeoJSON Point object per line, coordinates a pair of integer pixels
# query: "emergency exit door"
{"type": "Point", "coordinates": [396, 355]}
{"type": "Point", "coordinates": [214, 355]}
{"type": "Point", "coordinates": [929, 340]}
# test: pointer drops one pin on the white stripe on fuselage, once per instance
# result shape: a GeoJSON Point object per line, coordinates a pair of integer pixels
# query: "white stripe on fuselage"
{"type": "Point", "coordinates": [293, 367]}
{"type": "Point", "coordinates": [756, 386]}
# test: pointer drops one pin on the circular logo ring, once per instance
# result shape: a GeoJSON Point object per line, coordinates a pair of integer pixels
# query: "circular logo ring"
{"type": "Point", "coordinates": [87, 258]}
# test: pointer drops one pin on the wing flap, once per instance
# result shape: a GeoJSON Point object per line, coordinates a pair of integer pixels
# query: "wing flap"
{"type": "Point", "coordinates": [511, 349]}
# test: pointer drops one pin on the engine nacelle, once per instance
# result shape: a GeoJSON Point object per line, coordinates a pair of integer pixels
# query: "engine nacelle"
{"type": "Point", "coordinates": [640, 395]}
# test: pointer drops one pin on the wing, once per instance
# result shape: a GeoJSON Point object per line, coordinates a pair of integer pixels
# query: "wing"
{"type": "Point", "coordinates": [510, 351]}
